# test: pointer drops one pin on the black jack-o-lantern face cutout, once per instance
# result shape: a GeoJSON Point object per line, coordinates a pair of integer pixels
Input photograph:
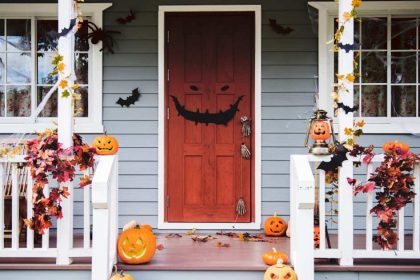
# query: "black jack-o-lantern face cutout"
{"type": "Point", "coordinates": [320, 130]}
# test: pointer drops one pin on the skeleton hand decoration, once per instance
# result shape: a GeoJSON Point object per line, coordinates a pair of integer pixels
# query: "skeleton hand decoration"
{"type": "Point", "coordinates": [246, 126]}
{"type": "Point", "coordinates": [246, 154]}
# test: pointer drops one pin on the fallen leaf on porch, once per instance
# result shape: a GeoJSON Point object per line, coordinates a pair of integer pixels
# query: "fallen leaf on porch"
{"type": "Point", "coordinates": [228, 234]}
{"type": "Point", "coordinates": [222, 245]}
{"type": "Point", "coordinates": [191, 232]}
{"type": "Point", "coordinates": [160, 246]}
{"type": "Point", "coordinates": [173, 235]}
{"type": "Point", "coordinates": [202, 238]}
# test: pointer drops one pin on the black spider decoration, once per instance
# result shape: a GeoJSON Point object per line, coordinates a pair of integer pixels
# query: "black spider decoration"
{"type": "Point", "coordinates": [97, 35]}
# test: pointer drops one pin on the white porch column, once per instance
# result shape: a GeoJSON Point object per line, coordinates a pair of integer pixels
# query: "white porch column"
{"type": "Point", "coordinates": [345, 206]}
{"type": "Point", "coordinates": [65, 129]}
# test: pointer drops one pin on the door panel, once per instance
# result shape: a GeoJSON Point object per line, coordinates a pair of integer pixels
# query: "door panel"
{"type": "Point", "coordinates": [210, 60]}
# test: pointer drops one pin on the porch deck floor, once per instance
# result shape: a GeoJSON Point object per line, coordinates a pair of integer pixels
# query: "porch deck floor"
{"type": "Point", "coordinates": [184, 254]}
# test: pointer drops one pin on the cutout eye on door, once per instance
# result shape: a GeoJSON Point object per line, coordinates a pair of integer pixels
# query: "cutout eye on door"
{"type": "Point", "coordinates": [194, 88]}
{"type": "Point", "coordinates": [224, 88]}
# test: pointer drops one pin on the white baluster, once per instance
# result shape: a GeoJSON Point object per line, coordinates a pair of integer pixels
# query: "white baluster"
{"type": "Point", "coordinates": [29, 232]}
{"type": "Point", "coordinates": [401, 230]}
{"type": "Point", "coordinates": [322, 209]}
{"type": "Point", "coordinates": [416, 212]}
{"type": "Point", "coordinates": [3, 187]}
{"type": "Point", "coordinates": [15, 207]}
{"type": "Point", "coordinates": [369, 203]}
{"type": "Point", "coordinates": [46, 235]}
{"type": "Point", "coordinates": [86, 214]}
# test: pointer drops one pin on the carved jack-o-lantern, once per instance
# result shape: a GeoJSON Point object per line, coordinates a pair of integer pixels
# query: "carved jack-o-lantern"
{"type": "Point", "coordinates": [280, 272]}
{"type": "Point", "coordinates": [105, 145]}
{"type": "Point", "coordinates": [136, 245]}
{"type": "Point", "coordinates": [317, 236]}
{"type": "Point", "coordinates": [275, 226]}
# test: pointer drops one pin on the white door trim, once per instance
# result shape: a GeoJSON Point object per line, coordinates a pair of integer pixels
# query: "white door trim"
{"type": "Point", "coordinates": [161, 118]}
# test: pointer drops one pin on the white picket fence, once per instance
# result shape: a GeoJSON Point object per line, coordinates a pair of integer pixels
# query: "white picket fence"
{"type": "Point", "coordinates": [302, 201]}
{"type": "Point", "coordinates": [100, 200]}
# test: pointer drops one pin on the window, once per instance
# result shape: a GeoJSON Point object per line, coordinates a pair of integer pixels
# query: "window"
{"type": "Point", "coordinates": [387, 90]}
{"type": "Point", "coordinates": [387, 83]}
{"type": "Point", "coordinates": [27, 48]}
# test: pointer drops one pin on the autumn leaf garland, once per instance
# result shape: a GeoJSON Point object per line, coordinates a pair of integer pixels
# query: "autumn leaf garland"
{"type": "Point", "coordinates": [393, 182]}
{"type": "Point", "coordinates": [47, 158]}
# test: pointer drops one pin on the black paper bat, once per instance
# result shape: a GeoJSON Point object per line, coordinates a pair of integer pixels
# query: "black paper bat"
{"type": "Point", "coordinates": [346, 108]}
{"type": "Point", "coordinates": [279, 28]}
{"type": "Point", "coordinates": [53, 34]}
{"type": "Point", "coordinates": [223, 117]}
{"type": "Point", "coordinates": [131, 16]}
{"type": "Point", "coordinates": [130, 100]}
{"type": "Point", "coordinates": [337, 159]}
{"type": "Point", "coordinates": [348, 47]}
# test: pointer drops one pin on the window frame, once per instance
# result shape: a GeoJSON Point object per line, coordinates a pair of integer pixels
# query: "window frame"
{"type": "Point", "coordinates": [90, 124]}
{"type": "Point", "coordinates": [327, 12]}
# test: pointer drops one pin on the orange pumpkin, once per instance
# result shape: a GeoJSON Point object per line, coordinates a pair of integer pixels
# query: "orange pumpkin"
{"type": "Point", "coordinates": [105, 145]}
{"type": "Point", "coordinates": [136, 245]}
{"type": "Point", "coordinates": [317, 236]}
{"type": "Point", "coordinates": [275, 226]}
{"type": "Point", "coordinates": [391, 146]}
{"type": "Point", "coordinates": [320, 130]}
{"type": "Point", "coordinates": [272, 257]}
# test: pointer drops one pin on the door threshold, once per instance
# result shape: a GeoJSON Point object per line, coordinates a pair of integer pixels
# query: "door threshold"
{"type": "Point", "coordinates": [213, 226]}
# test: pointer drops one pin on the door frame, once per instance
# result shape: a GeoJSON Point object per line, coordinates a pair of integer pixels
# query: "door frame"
{"type": "Point", "coordinates": [162, 224]}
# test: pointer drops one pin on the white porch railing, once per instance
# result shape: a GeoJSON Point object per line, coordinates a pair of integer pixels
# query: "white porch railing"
{"type": "Point", "coordinates": [101, 198]}
{"type": "Point", "coordinates": [303, 249]}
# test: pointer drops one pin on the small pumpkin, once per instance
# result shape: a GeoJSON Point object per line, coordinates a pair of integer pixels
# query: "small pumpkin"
{"type": "Point", "coordinates": [272, 257]}
{"type": "Point", "coordinates": [105, 145]}
{"type": "Point", "coordinates": [391, 146]}
{"type": "Point", "coordinates": [136, 245]}
{"type": "Point", "coordinates": [317, 236]}
{"type": "Point", "coordinates": [320, 130]}
{"type": "Point", "coordinates": [120, 275]}
{"type": "Point", "coordinates": [275, 226]}
{"type": "Point", "coordinates": [280, 271]}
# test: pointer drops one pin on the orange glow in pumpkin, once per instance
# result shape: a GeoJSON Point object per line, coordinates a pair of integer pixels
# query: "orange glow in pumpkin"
{"type": "Point", "coordinates": [320, 130]}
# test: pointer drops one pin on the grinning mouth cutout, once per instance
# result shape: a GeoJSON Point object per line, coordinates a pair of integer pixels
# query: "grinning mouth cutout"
{"type": "Point", "coordinates": [319, 132]}
{"type": "Point", "coordinates": [108, 149]}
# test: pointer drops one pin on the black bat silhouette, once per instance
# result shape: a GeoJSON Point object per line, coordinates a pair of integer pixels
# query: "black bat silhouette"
{"type": "Point", "coordinates": [348, 47]}
{"type": "Point", "coordinates": [131, 16]}
{"type": "Point", "coordinates": [53, 34]}
{"type": "Point", "coordinates": [223, 117]}
{"type": "Point", "coordinates": [346, 108]}
{"type": "Point", "coordinates": [130, 100]}
{"type": "Point", "coordinates": [337, 159]}
{"type": "Point", "coordinates": [278, 28]}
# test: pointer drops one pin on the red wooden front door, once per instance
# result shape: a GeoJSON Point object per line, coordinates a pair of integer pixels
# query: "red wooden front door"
{"type": "Point", "coordinates": [209, 57]}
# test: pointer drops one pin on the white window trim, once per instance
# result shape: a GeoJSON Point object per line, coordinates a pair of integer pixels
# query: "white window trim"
{"type": "Point", "coordinates": [327, 10]}
{"type": "Point", "coordinates": [257, 122]}
{"type": "Point", "coordinates": [93, 123]}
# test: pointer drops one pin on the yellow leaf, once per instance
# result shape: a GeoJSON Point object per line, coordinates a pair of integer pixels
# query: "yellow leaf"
{"type": "Point", "coordinates": [350, 77]}
{"type": "Point", "coordinates": [347, 15]}
{"type": "Point", "coordinates": [348, 131]}
{"type": "Point", "coordinates": [60, 67]}
{"type": "Point", "coordinates": [63, 84]}
{"type": "Point", "coordinates": [356, 3]}
{"type": "Point", "coordinates": [360, 123]}
{"type": "Point", "coordinates": [340, 76]}
{"type": "Point", "coordinates": [75, 86]}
